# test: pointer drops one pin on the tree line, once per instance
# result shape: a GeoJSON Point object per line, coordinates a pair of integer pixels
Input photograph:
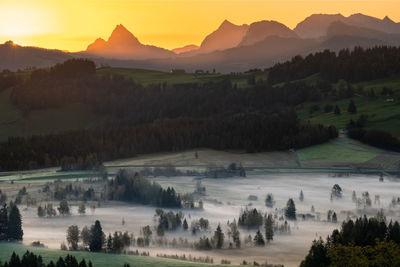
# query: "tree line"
{"type": "Point", "coordinates": [374, 137]}
{"type": "Point", "coordinates": [30, 259]}
{"type": "Point", "coordinates": [359, 64]}
{"type": "Point", "coordinates": [276, 130]}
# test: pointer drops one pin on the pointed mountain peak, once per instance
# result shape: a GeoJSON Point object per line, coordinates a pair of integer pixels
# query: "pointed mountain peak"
{"type": "Point", "coordinates": [226, 22]}
{"type": "Point", "coordinates": [387, 19]}
{"type": "Point", "coordinates": [120, 28]}
{"type": "Point", "coordinates": [121, 34]}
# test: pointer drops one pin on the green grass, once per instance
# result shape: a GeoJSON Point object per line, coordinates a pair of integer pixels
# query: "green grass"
{"type": "Point", "coordinates": [14, 122]}
{"type": "Point", "coordinates": [147, 77]}
{"type": "Point", "coordinates": [342, 149]}
{"type": "Point", "coordinates": [381, 114]}
{"type": "Point", "coordinates": [98, 259]}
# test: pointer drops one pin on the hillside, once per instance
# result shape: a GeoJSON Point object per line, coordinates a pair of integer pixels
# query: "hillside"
{"type": "Point", "coordinates": [381, 114]}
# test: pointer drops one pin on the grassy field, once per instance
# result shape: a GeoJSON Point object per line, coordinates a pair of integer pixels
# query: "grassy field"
{"type": "Point", "coordinates": [98, 259]}
{"type": "Point", "coordinates": [381, 114]}
{"type": "Point", "coordinates": [340, 150]}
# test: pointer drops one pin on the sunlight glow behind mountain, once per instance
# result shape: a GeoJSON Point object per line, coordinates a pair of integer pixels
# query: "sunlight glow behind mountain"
{"type": "Point", "coordinates": [72, 24]}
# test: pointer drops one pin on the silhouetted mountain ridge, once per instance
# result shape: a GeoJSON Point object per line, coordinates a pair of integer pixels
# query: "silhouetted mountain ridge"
{"type": "Point", "coordinates": [229, 48]}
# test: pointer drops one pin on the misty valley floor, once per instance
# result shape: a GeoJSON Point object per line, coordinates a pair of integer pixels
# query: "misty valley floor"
{"type": "Point", "coordinates": [224, 200]}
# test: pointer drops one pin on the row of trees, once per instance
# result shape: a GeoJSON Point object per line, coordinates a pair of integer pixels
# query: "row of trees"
{"type": "Point", "coordinates": [10, 223]}
{"type": "Point", "coordinates": [250, 131]}
{"type": "Point", "coordinates": [354, 65]}
{"type": "Point", "coordinates": [92, 238]}
{"type": "Point", "coordinates": [63, 209]}
{"type": "Point", "coordinates": [31, 260]}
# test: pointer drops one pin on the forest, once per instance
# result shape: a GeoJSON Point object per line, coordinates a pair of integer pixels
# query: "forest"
{"type": "Point", "coordinates": [363, 242]}
{"type": "Point", "coordinates": [355, 65]}
{"type": "Point", "coordinates": [252, 132]}
{"type": "Point", "coordinates": [156, 118]}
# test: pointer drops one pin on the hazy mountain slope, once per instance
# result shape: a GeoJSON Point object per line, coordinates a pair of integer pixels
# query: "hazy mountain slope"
{"type": "Point", "coordinates": [260, 30]}
{"type": "Point", "coordinates": [383, 25]}
{"type": "Point", "coordinates": [227, 35]}
{"type": "Point", "coordinates": [317, 25]}
{"type": "Point", "coordinates": [341, 29]}
{"type": "Point", "coordinates": [13, 56]}
{"type": "Point", "coordinates": [260, 55]}
{"type": "Point", "coordinates": [185, 49]}
{"type": "Point", "coordinates": [122, 44]}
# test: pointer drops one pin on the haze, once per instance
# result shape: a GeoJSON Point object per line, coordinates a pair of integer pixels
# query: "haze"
{"type": "Point", "coordinates": [72, 24]}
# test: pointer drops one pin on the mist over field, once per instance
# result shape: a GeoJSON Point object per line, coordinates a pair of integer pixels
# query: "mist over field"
{"type": "Point", "coordinates": [224, 200]}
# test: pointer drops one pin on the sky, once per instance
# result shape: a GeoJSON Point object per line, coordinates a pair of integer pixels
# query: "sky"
{"type": "Point", "coordinates": [73, 24]}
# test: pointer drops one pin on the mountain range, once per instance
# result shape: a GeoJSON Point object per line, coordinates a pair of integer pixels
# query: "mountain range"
{"type": "Point", "coordinates": [229, 48]}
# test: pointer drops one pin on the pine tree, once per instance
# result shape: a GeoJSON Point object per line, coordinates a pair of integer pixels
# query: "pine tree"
{"type": "Point", "coordinates": [290, 212]}
{"type": "Point", "coordinates": [259, 239]}
{"type": "Point", "coordinates": [3, 222]}
{"type": "Point", "coordinates": [301, 197]}
{"type": "Point", "coordinates": [109, 243]}
{"type": "Point", "coordinates": [269, 228]}
{"type": "Point", "coordinates": [15, 225]}
{"type": "Point", "coordinates": [269, 201]}
{"type": "Point", "coordinates": [234, 232]}
{"type": "Point", "coordinates": [219, 237]}
{"type": "Point", "coordinates": [185, 225]}
{"type": "Point", "coordinates": [334, 217]}
{"type": "Point", "coordinates": [96, 237]}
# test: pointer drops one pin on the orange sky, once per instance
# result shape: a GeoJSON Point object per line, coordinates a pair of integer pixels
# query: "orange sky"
{"type": "Point", "coordinates": [73, 24]}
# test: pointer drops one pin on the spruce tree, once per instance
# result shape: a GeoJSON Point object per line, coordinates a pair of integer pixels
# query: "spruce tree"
{"type": "Point", "coordinates": [185, 225]}
{"type": "Point", "coordinates": [269, 228]}
{"type": "Point", "coordinates": [218, 237]}
{"type": "Point", "coordinates": [334, 217]}
{"type": "Point", "coordinates": [269, 201]}
{"type": "Point", "coordinates": [14, 231]}
{"type": "Point", "coordinates": [259, 239]}
{"type": "Point", "coordinates": [96, 237]}
{"type": "Point", "coordinates": [290, 212]}
{"type": "Point", "coordinates": [301, 197]}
